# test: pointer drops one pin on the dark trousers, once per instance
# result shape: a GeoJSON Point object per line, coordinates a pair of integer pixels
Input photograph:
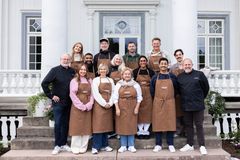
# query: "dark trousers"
{"type": "Point", "coordinates": [61, 118]}
{"type": "Point", "coordinates": [195, 117]}
{"type": "Point", "coordinates": [99, 140]}
{"type": "Point", "coordinates": [169, 136]}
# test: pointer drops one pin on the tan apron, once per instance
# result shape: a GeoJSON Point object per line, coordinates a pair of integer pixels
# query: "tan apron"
{"type": "Point", "coordinates": [75, 65]}
{"type": "Point", "coordinates": [164, 112]}
{"type": "Point", "coordinates": [126, 123]}
{"type": "Point", "coordinates": [179, 112]}
{"type": "Point", "coordinates": [116, 76]}
{"type": "Point", "coordinates": [154, 63]}
{"type": "Point", "coordinates": [104, 61]}
{"type": "Point", "coordinates": [80, 122]}
{"type": "Point", "coordinates": [102, 117]}
{"type": "Point", "coordinates": [145, 109]}
{"type": "Point", "coordinates": [131, 64]}
{"type": "Point", "coordinates": [91, 74]}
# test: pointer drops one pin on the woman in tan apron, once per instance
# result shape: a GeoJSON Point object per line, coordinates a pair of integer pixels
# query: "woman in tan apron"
{"type": "Point", "coordinates": [143, 76]}
{"type": "Point", "coordinates": [127, 99]}
{"type": "Point", "coordinates": [80, 124]}
{"type": "Point", "coordinates": [117, 64]}
{"type": "Point", "coordinates": [164, 112]}
{"type": "Point", "coordinates": [77, 55]}
{"type": "Point", "coordinates": [102, 118]}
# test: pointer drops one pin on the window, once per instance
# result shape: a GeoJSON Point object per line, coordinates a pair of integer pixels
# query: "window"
{"type": "Point", "coordinates": [210, 43]}
{"type": "Point", "coordinates": [121, 28]}
{"type": "Point", "coordinates": [34, 43]}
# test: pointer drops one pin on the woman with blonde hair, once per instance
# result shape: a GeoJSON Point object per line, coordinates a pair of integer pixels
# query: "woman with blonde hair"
{"type": "Point", "coordinates": [80, 124]}
{"type": "Point", "coordinates": [102, 120]}
{"type": "Point", "coordinates": [127, 99]}
{"type": "Point", "coordinates": [77, 55]}
{"type": "Point", "coordinates": [117, 64]}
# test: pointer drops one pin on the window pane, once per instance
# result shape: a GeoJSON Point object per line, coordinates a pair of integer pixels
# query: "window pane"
{"type": "Point", "coordinates": [39, 49]}
{"type": "Point", "coordinates": [32, 40]}
{"type": "Point", "coordinates": [202, 59]}
{"type": "Point", "coordinates": [39, 40]}
{"type": "Point", "coordinates": [114, 45]}
{"type": "Point", "coordinates": [32, 21]}
{"type": "Point", "coordinates": [127, 40]}
{"type": "Point", "coordinates": [38, 58]}
{"type": "Point", "coordinates": [32, 49]}
{"type": "Point", "coordinates": [219, 50]}
{"type": "Point", "coordinates": [32, 66]}
{"type": "Point", "coordinates": [212, 42]}
{"type": "Point", "coordinates": [38, 66]}
{"type": "Point", "coordinates": [201, 27]}
{"type": "Point", "coordinates": [32, 58]}
{"type": "Point", "coordinates": [219, 41]}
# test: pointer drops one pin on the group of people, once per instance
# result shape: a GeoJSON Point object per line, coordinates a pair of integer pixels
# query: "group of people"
{"type": "Point", "coordinates": [97, 95]}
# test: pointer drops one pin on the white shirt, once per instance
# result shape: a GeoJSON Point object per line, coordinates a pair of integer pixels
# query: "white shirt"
{"type": "Point", "coordinates": [95, 90]}
{"type": "Point", "coordinates": [135, 85]}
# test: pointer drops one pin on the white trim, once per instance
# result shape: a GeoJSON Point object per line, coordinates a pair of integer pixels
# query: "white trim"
{"type": "Point", "coordinates": [5, 34]}
{"type": "Point", "coordinates": [1, 14]}
{"type": "Point", "coordinates": [122, 2]}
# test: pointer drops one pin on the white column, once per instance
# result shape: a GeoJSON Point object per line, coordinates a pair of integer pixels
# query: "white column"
{"type": "Point", "coordinates": [184, 18]}
{"type": "Point", "coordinates": [54, 33]}
{"type": "Point", "coordinates": [90, 14]}
{"type": "Point", "coordinates": [153, 14]}
{"type": "Point", "coordinates": [1, 20]}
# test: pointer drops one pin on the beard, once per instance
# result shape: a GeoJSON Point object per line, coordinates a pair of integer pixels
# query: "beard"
{"type": "Point", "coordinates": [187, 70]}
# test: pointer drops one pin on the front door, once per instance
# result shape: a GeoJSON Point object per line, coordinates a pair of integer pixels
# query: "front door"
{"type": "Point", "coordinates": [121, 28]}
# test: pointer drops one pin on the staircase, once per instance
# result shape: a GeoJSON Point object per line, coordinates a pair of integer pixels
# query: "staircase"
{"type": "Point", "coordinates": [35, 141]}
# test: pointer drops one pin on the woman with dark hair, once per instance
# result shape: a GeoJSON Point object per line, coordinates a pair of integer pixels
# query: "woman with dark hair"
{"type": "Point", "coordinates": [77, 55]}
{"type": "Point", "coordinates": [143, 76]}
{"type": "Point", "coordinates": [80, 124]}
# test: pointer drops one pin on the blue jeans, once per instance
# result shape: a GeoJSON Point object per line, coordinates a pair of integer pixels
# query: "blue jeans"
{"type": "Point", "coordinates": [100, 140]}
{"type": "Point", "coordinates": [61, 117]}
{"type": "Point", "coordinates": [127, 140]}
{"type": "Point", "coordinates": [169, 138]}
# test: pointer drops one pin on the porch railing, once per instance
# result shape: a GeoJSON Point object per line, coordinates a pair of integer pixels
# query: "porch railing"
{"type": "Point", "coordinates": [19, 82]}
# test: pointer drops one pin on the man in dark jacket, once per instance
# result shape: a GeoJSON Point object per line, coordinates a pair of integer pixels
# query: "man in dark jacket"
{"type": "Point", "coordinates": [104, 56]}
{"type": "Point", "coordinates": [59, 77]}
{"type": "Point", "coordinates": [194, 87]}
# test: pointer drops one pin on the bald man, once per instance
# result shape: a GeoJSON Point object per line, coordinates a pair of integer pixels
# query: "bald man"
{"type": "Point", "coordinates": [59, 77]}
{"type": "Point", "coordinates": [193, 87]}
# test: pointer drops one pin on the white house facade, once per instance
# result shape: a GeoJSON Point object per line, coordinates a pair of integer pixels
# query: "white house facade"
{"type": "Point", "coordinates": [34, 33]}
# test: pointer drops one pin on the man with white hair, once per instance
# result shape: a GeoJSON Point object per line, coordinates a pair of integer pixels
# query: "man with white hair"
{"type": "Point", "coordinates": [59, 79]}
{"type": "Point", "coordinates": [193, 87]}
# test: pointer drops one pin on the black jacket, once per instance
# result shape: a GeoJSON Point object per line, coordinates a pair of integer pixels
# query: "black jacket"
{"type": "Point", "coordinates": [102, 55]}
{"type": "Point", "coordinates": [193, 88]}
{"type": "Point", "coordinates": [60, 78]}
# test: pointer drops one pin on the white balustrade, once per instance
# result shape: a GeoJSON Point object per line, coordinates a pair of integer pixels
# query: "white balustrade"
{"type": "Point", "coordinates": [11, 127]}
{"type": "Point", "coordinates": [227, 82]}
{"type": "Point", "coordinates": [19, 82]}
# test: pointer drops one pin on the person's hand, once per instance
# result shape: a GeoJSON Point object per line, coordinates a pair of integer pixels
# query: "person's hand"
{"type": "Point", "coordinates": [55, 98]}
{"type": "Point", "coordinates": [118, 112]}
{"type": "Point", "coordinates": [136, 110]}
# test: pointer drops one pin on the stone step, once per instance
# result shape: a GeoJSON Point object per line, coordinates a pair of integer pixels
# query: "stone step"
{"type": "Point", "coordinates": [213, 154]}
{"type": "Point", "coordinates": [35, 121]}
{"type": "Point", "coordinates": [35, 131]}
{"type": "Point", "coordinates": [48, 143]}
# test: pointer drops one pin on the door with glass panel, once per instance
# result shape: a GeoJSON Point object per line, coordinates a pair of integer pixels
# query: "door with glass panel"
{"type": "Point", "coordinates": [122, 28]}
{"type": "Point", "coordinates": [210, 43]}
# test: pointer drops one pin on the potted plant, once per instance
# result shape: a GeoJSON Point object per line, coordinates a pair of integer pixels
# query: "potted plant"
{"type": "Point", "coordinates": [37, 104]}
{"type": "Point", "coordinates": [216, 104]}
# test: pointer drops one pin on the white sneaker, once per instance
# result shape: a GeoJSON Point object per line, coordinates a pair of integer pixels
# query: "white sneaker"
{"type": "Point", "coordinates": [66, 148]}
{"type": "Point", "coordinates": [132, 149]}
{"type": "Point", "coordinates": [187, 147]}
{"type": "Point", "coordinates": [203, 150]}
{"type": "Point", "coordinates": [122, 149]}
{"type": "Point", "coordinates": [171, 148]}
{"type": "Point", "coordinates": [157, 148]}
{"type": "Point", "coordinates": [94, 151]}
{"type": "Point", "coordinates": [56, 150]}
{"type": "Point", "coordinates": [107, 149]}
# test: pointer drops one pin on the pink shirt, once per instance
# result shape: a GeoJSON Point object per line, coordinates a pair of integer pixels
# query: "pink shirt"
{"type": "Point", "coordinates": [73, 95]}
